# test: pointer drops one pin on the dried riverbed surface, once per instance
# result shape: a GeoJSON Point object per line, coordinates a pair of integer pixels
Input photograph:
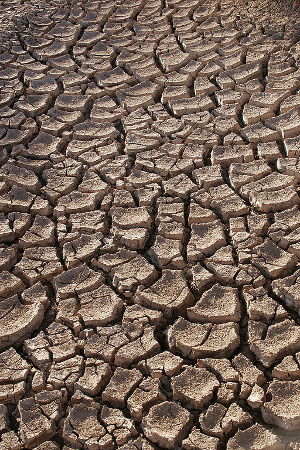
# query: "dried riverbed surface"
{"type": "Point", "coordinates": [149, 226]}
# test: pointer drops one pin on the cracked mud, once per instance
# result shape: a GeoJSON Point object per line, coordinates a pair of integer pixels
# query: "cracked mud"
{"type": "Point", "coordinates": [149, 226]}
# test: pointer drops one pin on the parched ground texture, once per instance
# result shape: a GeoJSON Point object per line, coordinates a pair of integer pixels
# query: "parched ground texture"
{"type": "Point", "coordinates": [149, 225]}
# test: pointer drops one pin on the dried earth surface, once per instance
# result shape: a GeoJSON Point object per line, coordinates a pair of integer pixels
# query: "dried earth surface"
{"type": "Point", "coordinates": [149, 225]}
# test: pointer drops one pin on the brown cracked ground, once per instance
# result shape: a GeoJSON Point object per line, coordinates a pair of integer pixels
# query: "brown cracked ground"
{"type": "Point", "coordinates": [149, 225]}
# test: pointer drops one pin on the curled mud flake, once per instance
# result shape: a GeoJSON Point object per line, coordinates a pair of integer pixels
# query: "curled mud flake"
{"type": "Point", "coordinates": [167, 424]}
